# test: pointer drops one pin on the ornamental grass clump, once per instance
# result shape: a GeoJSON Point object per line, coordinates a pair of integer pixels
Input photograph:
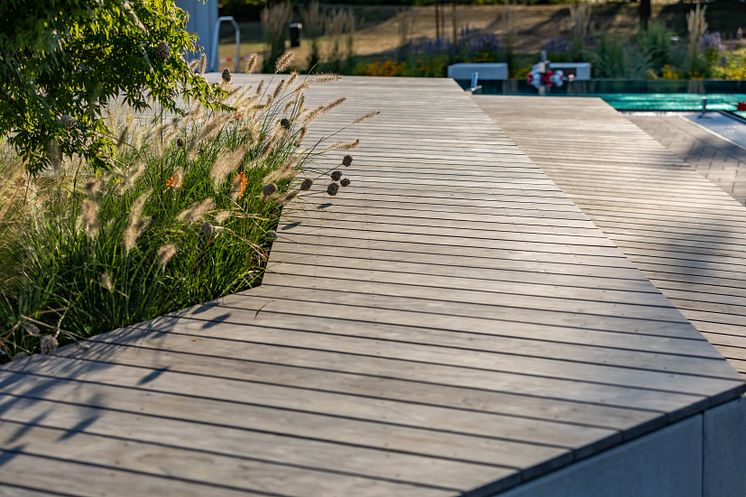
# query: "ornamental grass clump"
{"type": "Point", "coordinates": [185, 214]}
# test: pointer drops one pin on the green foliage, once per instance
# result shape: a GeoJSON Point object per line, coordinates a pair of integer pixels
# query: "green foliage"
{"type": "Point", "coordinates": [655, 42]}
{"type": "Point", "coordinates": [614, 58]}
{"type": "Point", "coordinates": [61, 61]}
{"type": "Point", "coordinates": [731, 66]}
{"type": "Point", "coordinates": [185, 215]}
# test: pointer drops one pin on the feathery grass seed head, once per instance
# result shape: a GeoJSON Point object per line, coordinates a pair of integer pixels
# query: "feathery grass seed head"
{"type": "Point", "coordinates": [90, 217]}
{"type": "Point", "coordinates": [251, 64]}
{"type": "Point", "coordinates": [197, 211]}
{"type": "Point", "coordinates": [136, 222]}
{"type": "Point", "coordinates": [165, 253]}
{"type": "Point", "coordinates": [284, 61]}
{"type": "Point", "coordinates": [365, 117]}
{"type": "Point", "coordinates": [222, 216]}
{"type": "Point", "coordinates": [106, 282]}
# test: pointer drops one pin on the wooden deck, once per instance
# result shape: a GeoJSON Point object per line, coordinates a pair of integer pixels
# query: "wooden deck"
{"type": "Point", "coordinates": [686, 235]}
{"type": "Point", "coordinates": [450, 323]}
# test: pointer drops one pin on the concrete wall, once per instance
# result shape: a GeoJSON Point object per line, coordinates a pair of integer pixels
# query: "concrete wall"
{"type": "Point", "coordinates": [702, 456]}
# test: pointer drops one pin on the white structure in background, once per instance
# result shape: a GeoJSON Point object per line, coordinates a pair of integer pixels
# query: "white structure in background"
{"type": "Point", "coordinates": [581, 70]}
{"type": "Point", "coordinates": [487, 71]}
{"type": "Point", "coordinates": [203, 17]}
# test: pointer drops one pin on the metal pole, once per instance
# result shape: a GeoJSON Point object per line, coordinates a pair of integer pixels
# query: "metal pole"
{"type": "Point", "coordinates": [214, 60]}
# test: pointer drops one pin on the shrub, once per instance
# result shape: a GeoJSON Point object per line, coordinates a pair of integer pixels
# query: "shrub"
{"type": "Point", "coordinates": [185, 215]}
{"type": "Point", "coordinates": [731, 66]}
{"type": "Point", "coordinates": [62, 60]}
{"type": "Point", "coordinates": [655, 41]}
{"type": "Point", "coordinates": [381, 68]}
{"type": "Point", "coordinates": [614, 58]}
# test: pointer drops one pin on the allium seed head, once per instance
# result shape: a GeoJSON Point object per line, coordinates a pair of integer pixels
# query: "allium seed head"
{"type": "Point", "coordinates": [207, 230]}
{"type": "Point", "coordinates": [92, 186]}
{"type": "Point", "coordinates": [347, 160]}
{"type": "Point", "coordinates": [336, 175]}
{"type": "Point", "coordinates": [163, 51]}
{"type": "Point", "coordinates": [332, 189]}
{"type": "Point", "coordinates": [269, 189]}
{"type": "Point", "coordinates": [31, 329]}
{"type": "Point", "coordinates": [285, 123]}
{"type": "Point", "coordinates": [48, 344]}
{"type": "Point", "coordinates": [345, 182]}
{"type": "Point", "coordinates": [226, 75]}
{"type": "Point", "coordinates": [306, 184]}
{"type": "Point", "coordinates": [271, 235]}
{"type": "Point", "coordinates": [66, 121]}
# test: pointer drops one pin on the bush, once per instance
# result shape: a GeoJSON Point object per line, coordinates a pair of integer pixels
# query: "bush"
{"type": "Point", "coordinates": [614, 58]}
{"type": "Point", "coordinates": [186, 214]}
{"type": "Point", "coordinates": [61, 61]}
{"type": "Point", "coordinates": [655, 42]}
{"type": "Point", "coordinates": [731, 66]}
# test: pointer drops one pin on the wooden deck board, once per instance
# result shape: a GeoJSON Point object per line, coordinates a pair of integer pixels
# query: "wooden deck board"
{"type": "Point", "coordinates": [450, 323]}
{"type": "Point", "coordinates": [686, 234]}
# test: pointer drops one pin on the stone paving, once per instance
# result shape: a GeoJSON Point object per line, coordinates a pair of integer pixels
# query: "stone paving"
{"type": "Point", "coordinates": [719, 160]}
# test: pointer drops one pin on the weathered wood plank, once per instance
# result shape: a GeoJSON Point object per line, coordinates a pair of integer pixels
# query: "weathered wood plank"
{"type": "Point", "coordinates": [682, 231]}
{"type": "Point", "coordinates": [450, 321]}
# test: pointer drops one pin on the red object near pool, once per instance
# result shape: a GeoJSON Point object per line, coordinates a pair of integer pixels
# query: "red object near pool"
{"type": "Point", "coordinates": [741, 106]}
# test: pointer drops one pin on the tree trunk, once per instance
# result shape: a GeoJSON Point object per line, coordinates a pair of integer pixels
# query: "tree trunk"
{"type": "Point", "coordinates": [645, 11]}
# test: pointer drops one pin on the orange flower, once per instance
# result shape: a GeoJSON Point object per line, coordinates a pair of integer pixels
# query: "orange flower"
{"type": "Point", "coordinates": [176, 179]}
{"type": "Point", "coordinates": [239, 185]}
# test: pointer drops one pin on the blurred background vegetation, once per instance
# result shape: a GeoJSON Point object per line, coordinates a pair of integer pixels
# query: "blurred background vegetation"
{"type": "Point", "coordinates": [681, 40]}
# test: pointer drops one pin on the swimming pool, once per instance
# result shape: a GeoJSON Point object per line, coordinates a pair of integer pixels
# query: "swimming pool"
{"type": "Point", "coordinates": [631, 95]}
{"type": "Point", "coordinates": [673, 101]}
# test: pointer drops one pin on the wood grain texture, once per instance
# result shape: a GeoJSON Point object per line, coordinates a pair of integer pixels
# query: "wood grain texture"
{"type": "Point", "coordinates": [451, 323]}
{"type": "Point", "coordinates": [685, 234]}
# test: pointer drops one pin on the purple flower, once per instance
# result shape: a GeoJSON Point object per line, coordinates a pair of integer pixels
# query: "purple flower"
{"type": "Point", "coordinates": [711, 41]}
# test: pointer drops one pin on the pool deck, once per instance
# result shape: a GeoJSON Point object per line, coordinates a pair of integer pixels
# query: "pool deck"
{"type": "Point", "coordinates": [720, 160]}
{"type": "Point", "coordinates": [683, 232]}
{"type": "Point", "coordinates": [450, 324]}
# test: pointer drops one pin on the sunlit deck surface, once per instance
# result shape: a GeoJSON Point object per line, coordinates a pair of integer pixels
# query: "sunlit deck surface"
{"type": "Point", "coordinates": [686, 235]}
{"type": "Point", "coordinates": [450, 323]}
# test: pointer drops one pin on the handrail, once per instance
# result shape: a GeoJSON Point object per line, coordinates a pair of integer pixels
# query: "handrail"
{"type": "Point", "coordinates": [214, 61]}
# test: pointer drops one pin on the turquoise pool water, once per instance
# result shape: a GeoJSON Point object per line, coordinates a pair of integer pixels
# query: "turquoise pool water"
{"type": "Point", "coordinates": [673, 101]}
